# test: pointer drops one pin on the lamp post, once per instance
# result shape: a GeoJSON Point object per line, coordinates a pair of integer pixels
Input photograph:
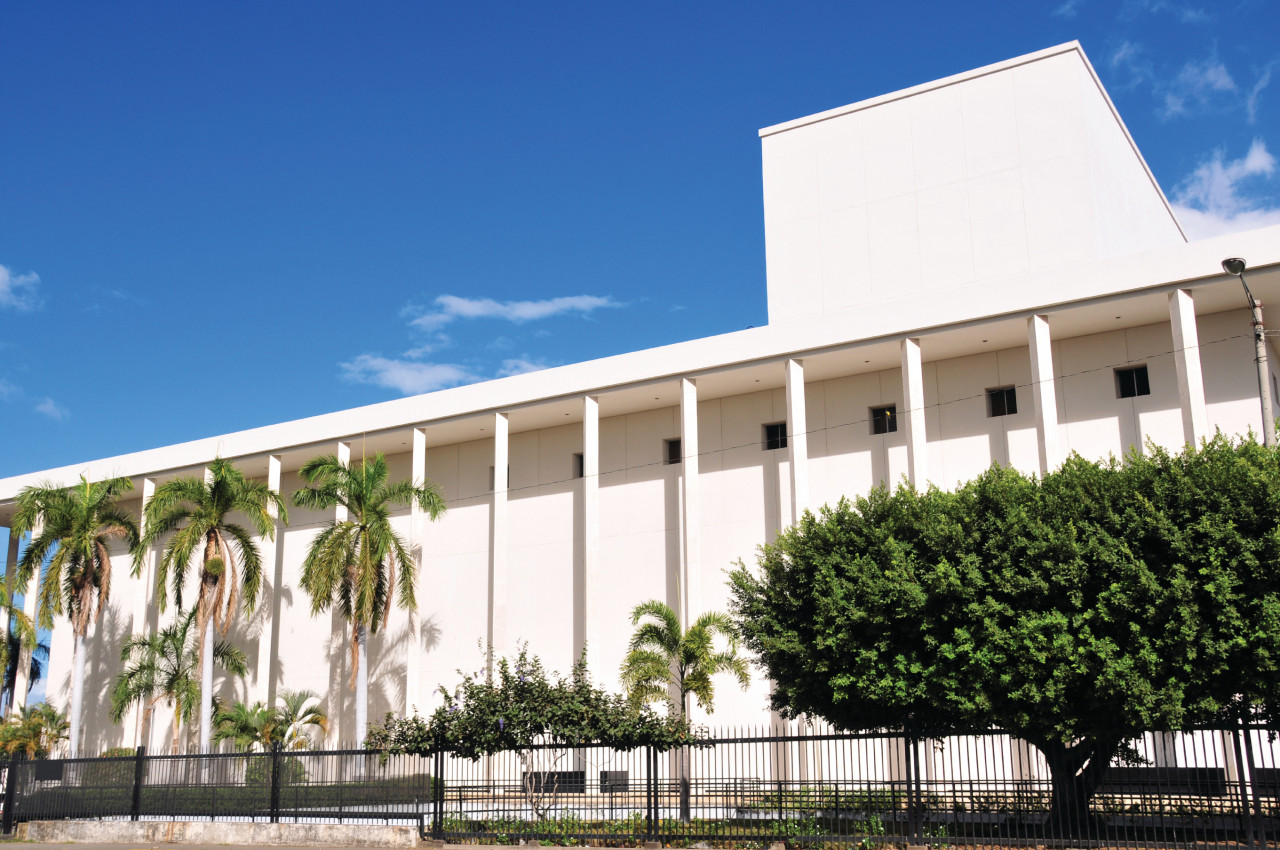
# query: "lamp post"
{"type": "Point", "coordinates": [1236, 266]}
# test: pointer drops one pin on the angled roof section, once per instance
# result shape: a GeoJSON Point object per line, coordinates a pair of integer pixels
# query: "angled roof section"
{"type": "Point", "coordinates": [1013, 168]}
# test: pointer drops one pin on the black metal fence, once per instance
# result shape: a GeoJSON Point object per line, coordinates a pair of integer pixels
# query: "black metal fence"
{"type": "Point", "coordinates": [1201, 787]}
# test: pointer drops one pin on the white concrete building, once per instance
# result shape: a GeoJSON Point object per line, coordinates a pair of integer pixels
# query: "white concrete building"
{"type": "Point", "coordinates": [974, 270]}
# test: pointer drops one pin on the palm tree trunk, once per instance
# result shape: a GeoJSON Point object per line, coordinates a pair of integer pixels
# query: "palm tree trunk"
{"type": "Point", "coordinates": [77, 693]}
{"type": "Point", "coordinates": [686, 815]}
{"type": "Point", "coordinates": [206, 686]}
{"type": "Point", "coordinates": [362, 684]}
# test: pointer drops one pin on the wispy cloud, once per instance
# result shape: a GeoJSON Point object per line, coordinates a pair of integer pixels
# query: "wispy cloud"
{"type": "Point", "coordinates": [406, 376]}
{"type": "Point", "coordinates": [452, 307]}
{"type": "Point", "coordinates": [9, 390]}
{"type": "Point", "coordinates": [1212, 200]}
{"type": "Point", "coordinates": [52, 409]}
{"type": "Point", "coordinates": [1188, 13]}
{"type": "Point", "coordinates": [1196, 88]}
{"type": "Point", "coordinates": [19, 291]}
{"type": "Point", "coordinates": [1068, 9]}
{"type": "Point", "coordinates": [1130, 65]}
{"type": "Point", "coordinates": [521, 366]}
{"type": "Point", "coordinates": [1255, 93]}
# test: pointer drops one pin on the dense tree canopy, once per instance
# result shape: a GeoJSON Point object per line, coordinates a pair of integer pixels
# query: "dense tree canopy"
{"type": "Point", "coordinates": [1072, 611]}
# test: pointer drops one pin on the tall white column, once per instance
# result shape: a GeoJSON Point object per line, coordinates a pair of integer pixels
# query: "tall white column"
{"type": "Point", "coordinates": [1044, 393]}
{"type": "Point", "coordinates": [417, 551]}
{"type": "Point", "coordinates": [1186, 360]}
{"type": "Point", "coordinates": [691, 580]}
{"type": "Point", "coordinates": [344, 458]}
{"type": "Point", "coordinates": [498, 539]}
{"type": "Point", "coordinates": [30, 594]}
{"type": "Point", "coordinates": [591, 625]}
{"type": "Point", "coordinates": [913, 398]}
{"type": "Point", "coordinates": [132, 729]}
{"type": "Point", "coordinates": [267, 548]}
{"type": "Point", "coordinates": [797, 440]}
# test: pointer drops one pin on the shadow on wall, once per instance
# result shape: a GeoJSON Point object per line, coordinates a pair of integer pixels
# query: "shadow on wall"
{"type": "Point", "coordinates": [102, 662]}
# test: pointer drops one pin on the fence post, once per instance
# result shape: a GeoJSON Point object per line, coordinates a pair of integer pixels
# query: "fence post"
{"type": "Point", "coordinates": [437, 799]}
{"type": "Point", "coordinates": [10, 794]}
{"type": "Point", "coordinates": [912, 826]}
{"type": "Point", "coordinates": [139, 771]}
{"type": "Point", "coordinates": [275, 782]}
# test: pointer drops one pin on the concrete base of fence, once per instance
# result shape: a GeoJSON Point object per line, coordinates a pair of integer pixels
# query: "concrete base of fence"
{"type": "Point", "coordinates": [144, 833]}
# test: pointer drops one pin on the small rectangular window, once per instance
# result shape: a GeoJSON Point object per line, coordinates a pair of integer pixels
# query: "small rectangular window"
{"type": "Point", "coordinates": [775, 436]}
{"type": "Point", "coordinates": [1132, 382]}
{"type": "Point", "coordinates": [672, 454]}
{"type": "Point", "coordinates": [1002, 401]}
{"type": "Point", "coordinates": [491, 478]}
{"type": "Point", "coordinates": [579, 465]}
{"type": "Point", "coordinates": [884, 420]}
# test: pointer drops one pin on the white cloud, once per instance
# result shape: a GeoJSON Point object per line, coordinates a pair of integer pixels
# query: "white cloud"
{"type": "Point", "coordinates": [19, 290]}
{"type": "Point", "coordinates": [1196, 87]}
{"type": "Point", "coordinates": [1129, 64]}
{"type": "Point", "coordinates": [1184, 12]}
{"type": "Point", "coordinates": [1210, 201]}
{"type": "Point", "coordinates": [1067, 9]}
{"type": "Point", "coordinates": [8, 390]}
{"type": "Point", "coordinates": [52, 409]}
{"type": "Point", "coordinates": [451, 307]}
{"type": "Point", "coordinates": [409, 377]}
{"type": "Point", "coordinates": [520, 365]}
{"type": "Point", "coordinates": [1255, 93]}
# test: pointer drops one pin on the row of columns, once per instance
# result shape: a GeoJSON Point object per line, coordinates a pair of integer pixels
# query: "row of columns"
{"type": "Point", "coordinates": [912, 419]}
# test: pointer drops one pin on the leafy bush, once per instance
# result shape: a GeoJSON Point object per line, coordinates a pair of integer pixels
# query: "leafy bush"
{"type": "Point", "coordinates": [116, 768]}
{"type": "Point", "coordinates": [258, 771]}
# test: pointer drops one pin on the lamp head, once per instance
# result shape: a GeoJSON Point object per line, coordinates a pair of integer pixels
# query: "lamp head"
{"type": "Point", "coordinates": [1234, 266]}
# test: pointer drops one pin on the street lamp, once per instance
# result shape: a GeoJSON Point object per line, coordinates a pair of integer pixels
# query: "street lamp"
{"type": "Point", "coordinates": [1236, 266]}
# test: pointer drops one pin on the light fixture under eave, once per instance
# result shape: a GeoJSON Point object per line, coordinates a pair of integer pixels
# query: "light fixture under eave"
{"type": "Point", "coordinates": [1234, 266]}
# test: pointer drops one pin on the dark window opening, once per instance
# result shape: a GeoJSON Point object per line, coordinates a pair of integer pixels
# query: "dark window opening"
{"type": "Point", "coordinates": [1002, 402]}
{"type": "Point", "coordinates": [1132, 382]}
{"type": "Point", "coordinates": [775, 436]}
{"type": "Point", "coordinates": [884, 420]}
{"type": "Point", "coordinates": [579, 465]}
{"type": "Point", "coordinates": [673, 451]}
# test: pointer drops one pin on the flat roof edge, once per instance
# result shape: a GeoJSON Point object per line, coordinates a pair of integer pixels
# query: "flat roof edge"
{"type": "Point", "coordinates": [933, 85]}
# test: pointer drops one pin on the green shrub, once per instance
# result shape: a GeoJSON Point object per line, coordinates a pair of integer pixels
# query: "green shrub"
{"type": "Point", "coordinates": [258, 771]}
{"type": "Point", "coordinates": [115, 768]}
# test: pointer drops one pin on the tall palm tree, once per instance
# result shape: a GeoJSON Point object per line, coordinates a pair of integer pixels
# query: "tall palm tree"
{"type": "Point", "coordinates": [296, 711]}
{"type": "Point", "coordinates": [163, 667]}
{"type": "Point", "coordinates": [663, 657]}
{"type": "Point", "coordinates": [357, 563]}
{"type": "Point", "coordinates": [79, 526]}
{"type": "Point", "coordinates": [11, 656]}
{"type": "Point", "coordinates": [196, 514]}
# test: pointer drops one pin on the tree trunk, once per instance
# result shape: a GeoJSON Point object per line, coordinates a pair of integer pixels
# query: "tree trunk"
{"type": "Point", "coordinates": [362, 684]}
{"type": "Point", "coordinates": [1075, 773]}
{"type": "Point", "coordinates": [77, 693]}
{"type": "Point", "coordinates": [206, 686]}
{"type": "Point", "coordinates": [177, 720]}
{"type": "Point", "coordinates": [686, 814]}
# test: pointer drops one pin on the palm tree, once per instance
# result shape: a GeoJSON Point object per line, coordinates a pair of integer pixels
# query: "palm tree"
{"type": "Point", "coordinates": [164, 667]}
{"type": "Point", "coordinates": [198, 513]}
{"type": "Point", "coordinates": [79, 525]}
{"type": "Point", "coordinates": [357, 563]}
{"type": "Point", "coordinates": [248, 727]}
{"type": "Point", "coordinates": [33, 731]}
{"type": "Point", "coordinates": [663, 657]}
{"type": "Point", "coordinates": [11, 655]}
{"type": "Point", "coordinates": [296, 711]}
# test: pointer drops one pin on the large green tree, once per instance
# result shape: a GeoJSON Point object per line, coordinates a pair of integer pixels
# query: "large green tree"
{"type": "Point", "coordinates": [197, 519]}
{"type": "Point", "coordinates": [164, 667]}
{"type": "Point", "coordinates": [74, 529]}
{"type": "Point", "coordinates": [1073, 611]}
{"type": "Point", "coordinates": [663, 657]}
{"type": "Point", "coordinates": [360, 564]}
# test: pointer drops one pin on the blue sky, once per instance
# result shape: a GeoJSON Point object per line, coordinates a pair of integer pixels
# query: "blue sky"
{"type": "Point", "coordinates": [219, 216]}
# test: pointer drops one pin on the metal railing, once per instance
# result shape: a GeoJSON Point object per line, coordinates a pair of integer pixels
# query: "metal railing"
{"type": "Point", "coordinates": [1199, 787]}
